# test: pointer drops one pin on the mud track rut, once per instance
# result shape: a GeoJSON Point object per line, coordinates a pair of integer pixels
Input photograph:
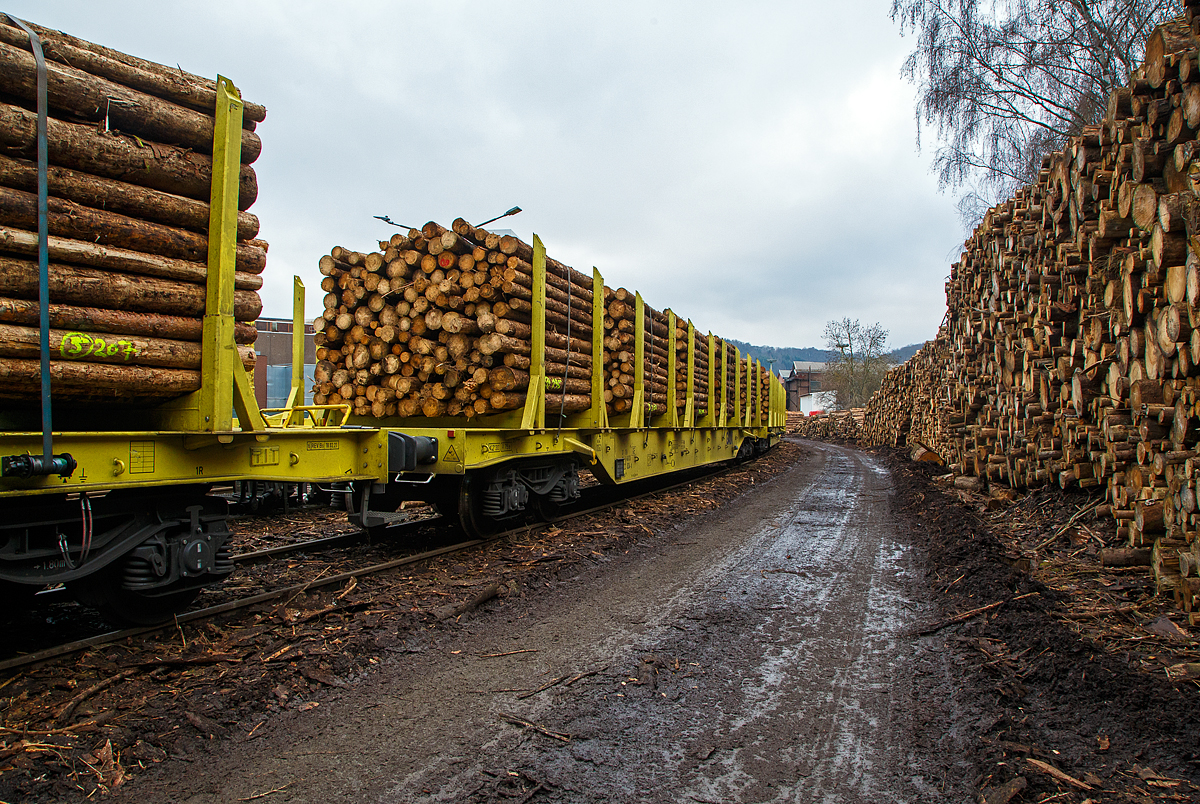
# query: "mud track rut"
{"type": "Point", "coordinates": [760, 654]}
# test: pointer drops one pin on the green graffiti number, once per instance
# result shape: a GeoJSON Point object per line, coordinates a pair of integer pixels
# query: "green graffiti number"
{"type": "Point", "coordinates": [82, 345]}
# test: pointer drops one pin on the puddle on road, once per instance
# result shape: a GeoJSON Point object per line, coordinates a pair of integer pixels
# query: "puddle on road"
{"type": "Point", "coordinates": [782, 655]}
{"type": "Point", "coordinates": [813, 698]}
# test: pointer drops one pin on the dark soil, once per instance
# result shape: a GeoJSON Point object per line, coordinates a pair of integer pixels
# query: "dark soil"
{"type": "Point", "coordinates": [1044, 697]}
{"type": "Point", "coordinates": [87, 724]}
{"type": "Point", "coordinates": [1039, 689]}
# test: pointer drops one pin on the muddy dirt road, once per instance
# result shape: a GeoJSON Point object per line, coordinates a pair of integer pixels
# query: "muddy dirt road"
{"type": "Point", "coordinates": [758, 655]}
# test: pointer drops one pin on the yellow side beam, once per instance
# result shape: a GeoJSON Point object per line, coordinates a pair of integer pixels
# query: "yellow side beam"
{"type": "Point", "coordinates": [534, 415]}
{"type": "Point", "coordinates": [220, 359]}
{"type": "Point", "coordinates": [689, 412]}
{"type": "Point", "coordinates": [296, 396]}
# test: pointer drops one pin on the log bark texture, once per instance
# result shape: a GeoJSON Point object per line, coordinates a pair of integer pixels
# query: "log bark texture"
{"type": "Point", "coordinates": [69, 220]}
{"type": "Point", "coordinates": [120, 322]}
{"type": "Point", "coordinates": [71, 284]}
{"type": "Point", "coordinates": [130, 174]}
{"type": "Point", "coordinates": [16, 241]}
{"type": "Point", "coordinates": [169, 83]}
{"type": "Point", "coordinates": [437, 323]}
{"type": "Point", "coordinates": [1068, 356]}
{"type": "Point", "coordinates": [110, 348]}
{"type": "Point", "coordinates": [83, 147]}
{"type": "Point", "coordinates": [112, 105]}
{"type": "Point", "coordinates": [118, 196]}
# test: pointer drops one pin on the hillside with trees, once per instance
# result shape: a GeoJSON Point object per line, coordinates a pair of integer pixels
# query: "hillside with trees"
{"type": "Point", "coordinates": [784, 356]}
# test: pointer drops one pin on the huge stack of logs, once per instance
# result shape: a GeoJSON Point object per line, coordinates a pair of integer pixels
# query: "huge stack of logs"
{"type": "Point", "coordinates": [837, 425]}
{"type": "Point", "coordinates": [1071, 350]}
{"type": "Point", "coordinates": [130, 146]}
{"type": "Point", "coordinates": [437, 323]}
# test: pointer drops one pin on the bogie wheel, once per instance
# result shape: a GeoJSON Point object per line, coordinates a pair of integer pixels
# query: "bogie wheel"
{"type": "Point", "coordinates": [126, 608]}
{"type": "Point", "coordinates": [547, 509]}
{"type": "Point", "coordinates": [469, 512]}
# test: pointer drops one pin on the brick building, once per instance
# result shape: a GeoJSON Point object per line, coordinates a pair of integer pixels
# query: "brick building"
{"type": "Point", "coordinates": [803, 380]}
{"type": "Point", "coordinates": [273, 371]}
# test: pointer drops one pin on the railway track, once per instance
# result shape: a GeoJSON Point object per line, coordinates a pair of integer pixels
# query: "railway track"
{"type": "Point", "coordinates": [600, 498]}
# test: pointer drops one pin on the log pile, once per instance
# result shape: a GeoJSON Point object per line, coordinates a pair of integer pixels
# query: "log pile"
{"type": "Point", "coordinates": [838, 425]}
{"type": "Point", "coordinates": [1071, 350]}
{"type": "Point", "coordinates": [437, 323]}
{"type": "Point", "coordinates": [130, 146]}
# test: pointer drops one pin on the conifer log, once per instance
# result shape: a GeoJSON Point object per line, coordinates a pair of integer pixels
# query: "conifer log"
{"type": "Point", "coordinates": [74, 285]}
{"type": "Point", "coordinates": [169, 83]}
{"type": "Point", "coordinates": [16, 241]}
{"type": "Point", "coordinates": [83, 147]}
{"type": "Point", "coordinates": [1069, 355]}
{"type": "Point", "coordinates": [104, 347]}
{"type": "Point", "coordinates": [76, 93]}
{"type": "Point", "coordinates": [118, 322]}
{"type": "Point", "coordinates": [67, 219]}
{"type": "Point", "coordinates": [439, 323]}
{"type": "Point", "coordinates": [102, 384]}
{"type": "Point", "coordinates": [118, 196]}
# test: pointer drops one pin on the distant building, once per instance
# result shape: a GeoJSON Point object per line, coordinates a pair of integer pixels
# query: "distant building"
{"type": "Point", "coordinates": [803, 380]}
{"type": "Point", "coordinates": [273, 370]}
{"type": "Point", "coordinates": [819, 402]}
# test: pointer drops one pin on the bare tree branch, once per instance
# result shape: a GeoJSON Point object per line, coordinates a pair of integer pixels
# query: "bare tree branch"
{"type": "Point", "coordinates": [862, 361]}
{"type": "Point", "coordinates": [1003, 82]}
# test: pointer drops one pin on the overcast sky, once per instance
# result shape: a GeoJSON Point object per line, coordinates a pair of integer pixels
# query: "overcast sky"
{"type": "Point", "coordinates": [751, 165]}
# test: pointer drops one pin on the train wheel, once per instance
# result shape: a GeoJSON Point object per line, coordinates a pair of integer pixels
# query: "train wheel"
{"type": "Point", "coordinates": [745, 451]}
{"type": "Point", "coordinates": [547, 509]}
{"type": "Point", "coordinates": [469, 511]}
{"type": "Point", "coordinates": [127, 608]}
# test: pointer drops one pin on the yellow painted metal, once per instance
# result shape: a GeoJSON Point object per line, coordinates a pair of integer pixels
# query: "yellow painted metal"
{"type": "Point", "coordinates": [689, 411]}
{"type": "Point", "coordinates": [114, 460]}
{"type": "Point", "coordinates": [644, 452]}
{"type": "Point", "coordinates": [194, 439]}
{"type": "Point", "coordinates": [296, 395]}
{"type": "Point", "coordinates": [219, 356]}
{"type": "Point", "coordinates": [599, 407]}
{"type": "Point", "coordinates": [637, 414]}
{"type": "Point", "coordinates": [722, 382]}
{"type": "Point", "coordinates": [670, 416]}
{"type": "Point", "coordinates": [225, 385]}
{"type": "Point", "coordinates": [534, 415]}
{"type": "Point", "coordinates": [308, 415]}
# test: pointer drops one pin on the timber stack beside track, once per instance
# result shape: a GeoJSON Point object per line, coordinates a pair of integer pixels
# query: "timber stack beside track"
{"type": "Point", "coordinates": [1070, 353]}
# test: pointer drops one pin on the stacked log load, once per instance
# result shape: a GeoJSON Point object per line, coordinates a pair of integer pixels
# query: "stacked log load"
{"type": "Point", "coordinates": [130, 169]}
{"type": "Point", "coordinates": [437, 323]}
{"type": "Point", "coordinates": [1071, 349]}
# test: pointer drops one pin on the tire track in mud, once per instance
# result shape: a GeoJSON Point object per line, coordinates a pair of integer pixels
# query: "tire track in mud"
{"type": "Point", "coordinates": [756, 654]}
{"type": "Point", "coordinates": [794, 625]}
